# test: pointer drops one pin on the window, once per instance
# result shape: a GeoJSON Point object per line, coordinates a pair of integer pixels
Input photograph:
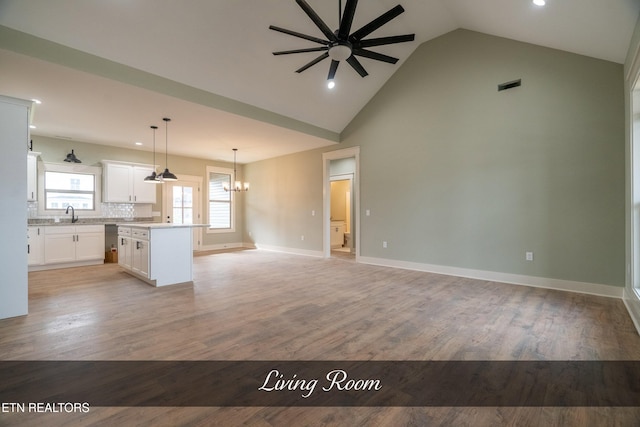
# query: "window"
{"type": "Point", "coordinates": [62, 189]}
{"type": "Point", "coordinates": [182, 204]}
{"type": "Point", "coordinates": [220, 201]}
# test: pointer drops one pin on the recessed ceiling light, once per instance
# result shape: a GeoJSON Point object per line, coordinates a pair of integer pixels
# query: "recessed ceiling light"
{"type": "Point", "coordinates": [138, 143]}
{"type": "Point", "coordinates": [539, 2]}
{"type": "Point", "coordinates": [37, 101]}
{"type": "Point", "coordinates": [32, 126]}
{"type": "Point", "coordinates": [331, 84]}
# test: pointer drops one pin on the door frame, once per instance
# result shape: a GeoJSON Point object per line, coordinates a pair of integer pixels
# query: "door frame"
{"type": "Point", "coordinates": [186, 180]}
{"type": "Point", "coordinates": [327, 157]}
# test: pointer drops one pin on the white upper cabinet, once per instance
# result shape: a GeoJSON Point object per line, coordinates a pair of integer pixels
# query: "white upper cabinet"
{"type": "Point", "coordinates": [124, 183]}
{"type": "Point", "coordinates": [32, 175]}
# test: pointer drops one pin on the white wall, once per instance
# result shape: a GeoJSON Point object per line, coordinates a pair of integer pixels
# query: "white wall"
{"type": "Point", "coordinates": [14, 137]}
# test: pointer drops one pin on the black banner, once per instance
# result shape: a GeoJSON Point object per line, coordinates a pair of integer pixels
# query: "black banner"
{"type": "Point", "coordinates": [321, 383]}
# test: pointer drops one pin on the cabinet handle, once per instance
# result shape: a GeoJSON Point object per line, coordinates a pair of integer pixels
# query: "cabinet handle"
{"type": "Point", "coordinates": [77, 237]}
{"type": "Point", "coordinates": [28, 249]}
{"type": "Point", "coordinates": [121, 241]}
{"type": "Point", "coordinates": [138, 244]}
{"type": "Point", "coordinates": [73, 238]}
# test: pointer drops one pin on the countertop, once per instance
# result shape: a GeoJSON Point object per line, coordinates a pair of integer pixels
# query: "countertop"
{"type": "Point", "coordinates": [160, 225]}
{"type": "Point", "coordinates": [86, 221]}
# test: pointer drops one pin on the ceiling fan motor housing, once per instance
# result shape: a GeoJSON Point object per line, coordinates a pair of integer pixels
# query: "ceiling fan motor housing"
{"type": "Point", "coordinates": [340, 51]}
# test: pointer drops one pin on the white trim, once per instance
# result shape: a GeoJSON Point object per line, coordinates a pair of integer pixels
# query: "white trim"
{"type": "Point", "coordinates": [167, 200]}
{"type": "Point", "coordinates": [634, 67]}
{"type": "Point", "coordinates": [221, 246]}
{"type": "Point", "coordinates": [494, 276]}
{"type": "Point", "coordinates": [294, 251]}
{"type": "Point", "coordinates": [222, 171]}
{"type": "Point", "coordinates": [633, 307]}
{"type": "Point", "coordinates": [326, 196]}
{"type": "Point", "coordinates": [630, 294]}
{"type": "Point", "coordinates": [96, 171]}
{"type": "Point", "coordinates": [65, 265]}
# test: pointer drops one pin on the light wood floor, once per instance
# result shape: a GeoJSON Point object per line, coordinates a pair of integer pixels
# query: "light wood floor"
{"type": "Point", "coordinates": [259, 305]}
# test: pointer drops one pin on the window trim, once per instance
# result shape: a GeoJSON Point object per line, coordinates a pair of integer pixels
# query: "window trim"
{"type": "Point", "coordinates": [232, 201]}
{"type": "Point", "coordinates": [70, 168]}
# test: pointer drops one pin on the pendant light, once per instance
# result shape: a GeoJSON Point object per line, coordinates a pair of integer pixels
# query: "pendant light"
{"type": "Point", "coordinates": [166, 175]}
{"type": "Point", "coordinates": [71, 157]}
{"type": "Point", "coordinates": [153, 178]}
{"type": "Point", "coordinates": [237, 185]}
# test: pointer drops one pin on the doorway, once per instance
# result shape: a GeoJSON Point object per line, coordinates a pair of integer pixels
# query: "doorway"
{"type": "Point", "coordinates": [181, 204]}
{"type": "Point", "coordinates": [341, 216]}
{"type": "Point", "coordinates": [334, 171]}
{"type": "Point", "coordinates": [635, 176]}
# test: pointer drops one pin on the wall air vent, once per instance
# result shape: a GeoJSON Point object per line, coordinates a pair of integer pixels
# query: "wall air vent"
{"type": "Point", "coordinates": [509, 85]}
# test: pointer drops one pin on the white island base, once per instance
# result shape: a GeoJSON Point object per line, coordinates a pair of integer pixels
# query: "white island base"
{"type": "Point", "coordinates": [159, 254]}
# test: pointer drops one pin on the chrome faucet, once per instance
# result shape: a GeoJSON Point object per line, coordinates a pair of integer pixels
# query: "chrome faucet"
{"type": "Point", "coordinates": [74, 218]}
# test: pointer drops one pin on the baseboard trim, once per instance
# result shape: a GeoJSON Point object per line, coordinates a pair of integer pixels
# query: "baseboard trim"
{"type": "Point", "coordinates": [222, 246]}
{"type": "Point", "coordinates": [43, 267]}
{"type": "Point", "coordinates": [632, 303]}
{"type": "Point", "coordinates": [294, 251]}
{"type": "Point", "coordinates": [493, 276]}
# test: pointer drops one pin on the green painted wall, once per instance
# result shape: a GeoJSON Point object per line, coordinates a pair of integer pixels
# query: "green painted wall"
{"type": "Point", "coordinates": [55, 150]}
{"type": "Point", "coordinates": [458, 174]}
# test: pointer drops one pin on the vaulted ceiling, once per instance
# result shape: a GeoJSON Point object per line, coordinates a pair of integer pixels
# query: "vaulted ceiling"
{"type": "Point", "coordinates": [107, 70]}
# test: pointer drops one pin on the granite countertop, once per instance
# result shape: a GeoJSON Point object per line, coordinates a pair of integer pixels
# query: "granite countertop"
{"type": "Point", "coordinates": [88, 221]}
{"type": "Point", "coordinates": [158, 225]}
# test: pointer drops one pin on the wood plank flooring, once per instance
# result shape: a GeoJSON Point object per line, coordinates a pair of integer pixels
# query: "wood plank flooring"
{"type": "Point", "coordinates": [260, 305]}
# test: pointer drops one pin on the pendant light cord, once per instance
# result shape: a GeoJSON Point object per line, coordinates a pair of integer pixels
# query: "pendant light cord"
{"type": "Point", "coordinates": [166, 142]}
{"type": "Point", "coordinates": [235, 176]}
{"type": "Point", "coordinates": [154, 146]}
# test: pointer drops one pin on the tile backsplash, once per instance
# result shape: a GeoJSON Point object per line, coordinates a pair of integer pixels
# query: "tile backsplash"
{"type": "Point", "coordinates": [108, 210]}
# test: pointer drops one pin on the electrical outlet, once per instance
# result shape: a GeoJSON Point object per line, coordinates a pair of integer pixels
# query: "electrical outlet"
{"type": "Point", "coordinates": [384, 245]}
{"type": "Point", "coordinates": [528, 256]}
{"type": "Point", "coordinates": [302, 237]}
{"type": "Point", "coordinates": [367, 212]}
{"type": "Point", "coordinates": [313, 213]}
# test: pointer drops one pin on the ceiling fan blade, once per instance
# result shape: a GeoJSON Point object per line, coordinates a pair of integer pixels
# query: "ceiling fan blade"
{"type": "Point", "coordinates": [296, 34]}
{"type": "Point", "coordinates": [386, 40]}
{"type": "Point", "coordinates": [347, 19]}
{"type": "Point", "coordinates": [357, 66]}
{"type": "Point", "coordinates": [312, 63]}
{"type": "Point", "coordinates": [311, 49]}
{"type": "Point", "coordinates": [375, 55]}
{"type": "Point", "coordinates": [316, 20]}
{"type": "Point", "coordinates": [376, 23]}
{"type": "Point", "coordinates": [333, 69]}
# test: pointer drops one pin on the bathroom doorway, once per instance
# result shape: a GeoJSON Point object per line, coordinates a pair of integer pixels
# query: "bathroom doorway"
{"type": "Point", "coordinates": [341, 217]}
{"type": "Point", "coordinates": [341, 207]}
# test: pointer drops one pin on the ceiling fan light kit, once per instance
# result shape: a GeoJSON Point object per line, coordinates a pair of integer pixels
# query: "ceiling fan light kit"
{"type": "Point", "coordinates": [342, 45]}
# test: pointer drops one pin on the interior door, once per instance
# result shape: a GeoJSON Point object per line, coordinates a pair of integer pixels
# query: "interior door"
{"type": "Point", "coordinates": [181, 205]}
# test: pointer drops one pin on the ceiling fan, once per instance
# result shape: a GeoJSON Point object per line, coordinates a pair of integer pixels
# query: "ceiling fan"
{"type": "Point", "coordinates": [342, 45]}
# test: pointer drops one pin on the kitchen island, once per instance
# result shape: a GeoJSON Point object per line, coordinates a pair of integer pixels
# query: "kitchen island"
{"type": "Point", "coordinates": [160, 254]}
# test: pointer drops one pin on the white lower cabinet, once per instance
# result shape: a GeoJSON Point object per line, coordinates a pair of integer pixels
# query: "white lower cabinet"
{"type": "Point", "coordinates": [124, 247]}
{"type": "Point", "coordinates": [35, 245]}
{"type": "Point", "coordinates": [134, 250]}
{"type": "Point", "coordinates": [71, 244]}
{"type": "Point", "coordinates": [159, 254]}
